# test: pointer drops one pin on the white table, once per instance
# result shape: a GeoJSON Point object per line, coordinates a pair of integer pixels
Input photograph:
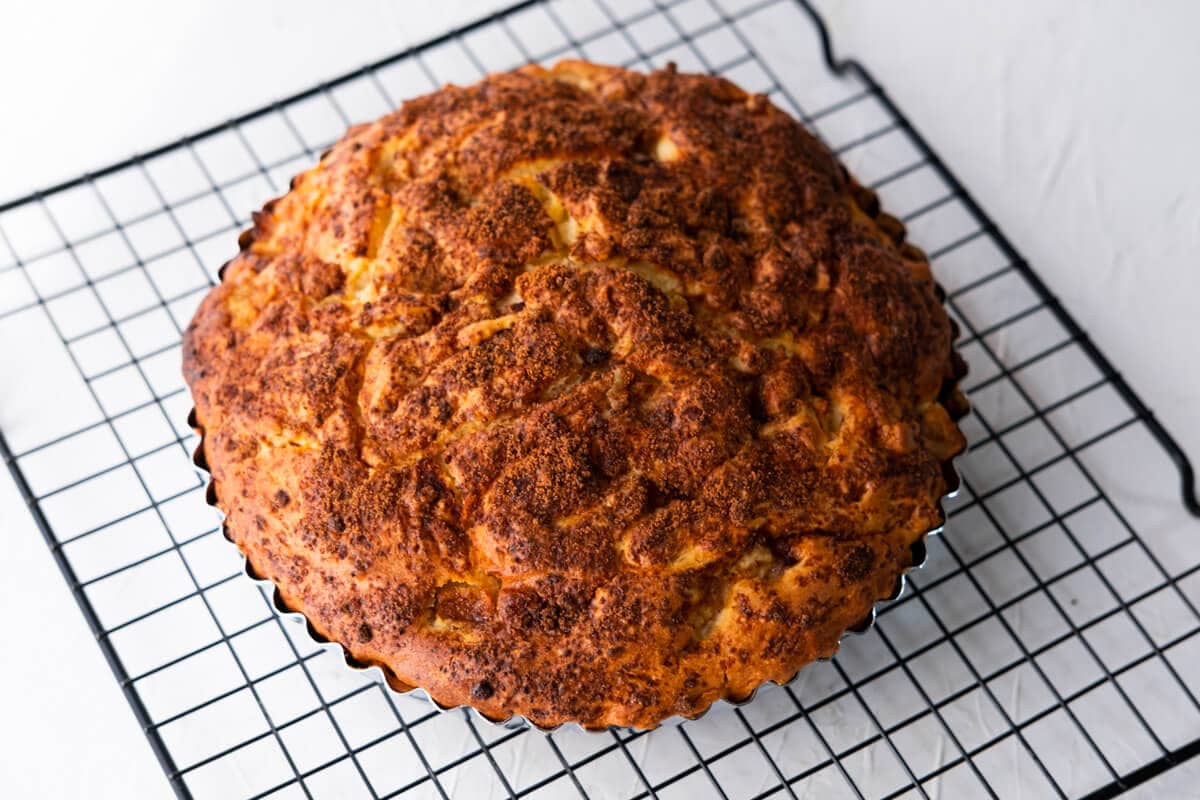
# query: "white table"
{"type": "Point", "coordinates": [1072, 124]}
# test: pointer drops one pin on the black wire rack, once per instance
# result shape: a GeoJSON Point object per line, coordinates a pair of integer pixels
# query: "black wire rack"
{"type": "Point", "coordinates": [1047, 649]}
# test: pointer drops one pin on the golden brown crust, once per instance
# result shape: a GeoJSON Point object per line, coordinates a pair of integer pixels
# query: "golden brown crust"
{"type": "Point", "coordinates": [578, 393]}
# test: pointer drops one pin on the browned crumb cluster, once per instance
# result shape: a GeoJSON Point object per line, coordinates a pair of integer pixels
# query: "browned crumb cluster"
{"type": "Point", "coordinates": [578, 393]}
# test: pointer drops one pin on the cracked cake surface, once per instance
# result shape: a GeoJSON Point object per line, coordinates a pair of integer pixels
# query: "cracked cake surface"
{"type": "Point", "coordinates": [578, 393]}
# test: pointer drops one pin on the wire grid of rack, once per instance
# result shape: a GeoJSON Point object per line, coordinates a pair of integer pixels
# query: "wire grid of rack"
{"type": "Point", "coordinates": [1047, 649]}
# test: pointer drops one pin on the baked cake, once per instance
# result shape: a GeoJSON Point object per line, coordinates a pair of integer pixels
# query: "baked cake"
{"type": "Point", "coordinates": [579, 393]}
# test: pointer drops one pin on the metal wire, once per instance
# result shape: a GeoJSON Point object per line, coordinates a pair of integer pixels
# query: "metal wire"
{"type": "Point", "coordinates": [960, 689]}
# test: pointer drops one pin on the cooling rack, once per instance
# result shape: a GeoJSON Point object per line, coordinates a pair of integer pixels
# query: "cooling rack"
{"type": "Point", "coordinates": [1047, 649]}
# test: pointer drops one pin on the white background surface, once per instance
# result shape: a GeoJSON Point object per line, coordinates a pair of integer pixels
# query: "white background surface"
{"type": "Point", "coordinates": [1074, 124]}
